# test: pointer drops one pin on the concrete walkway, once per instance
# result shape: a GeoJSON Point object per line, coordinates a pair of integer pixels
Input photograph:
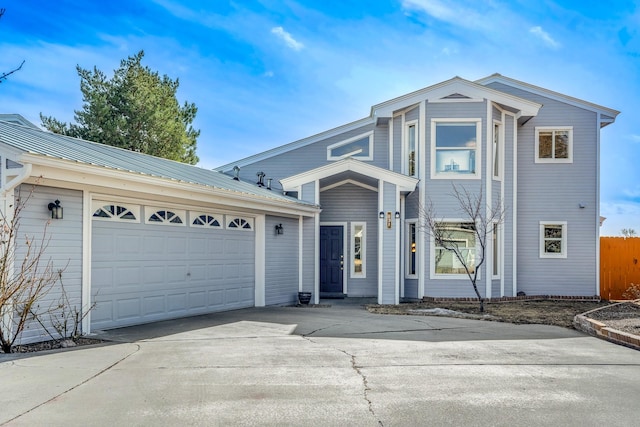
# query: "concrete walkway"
{"type": "Point", "coordinates": [331, 366]}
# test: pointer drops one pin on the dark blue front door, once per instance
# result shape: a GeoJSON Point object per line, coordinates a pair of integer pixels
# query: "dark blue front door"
{"type": "Point", "coordinates": [331, 261]}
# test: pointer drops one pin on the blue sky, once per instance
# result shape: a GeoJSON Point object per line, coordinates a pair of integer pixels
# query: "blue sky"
{"type": "Point", "coordinates": [265, 73]}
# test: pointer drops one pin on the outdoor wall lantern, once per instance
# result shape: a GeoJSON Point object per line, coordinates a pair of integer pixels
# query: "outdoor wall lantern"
{"type": "Point", "coordinates": [56, 210]}
{"type": "Point", "coordinates": [397, 215]}
{"type": "Point", "coordinates": [279, 229]}
{"type": "Point", "coordinates": [381, 215]}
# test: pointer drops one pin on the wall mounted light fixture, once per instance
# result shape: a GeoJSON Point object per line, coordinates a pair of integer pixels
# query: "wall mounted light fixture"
{"type": "Point", "coordinates": [381, 215]}
{"type": "Point", "coordinates": [56, 210]}
{"type": "Point", "coordinates": [279, 229]}
{"type": "Point", "coordinates": [397, 215]}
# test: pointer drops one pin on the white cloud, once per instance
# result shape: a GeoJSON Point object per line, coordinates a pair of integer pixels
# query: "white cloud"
{"type": "Point", "coordinates": [634, 138]}
{"type": "Point", "coordinates": [287, 38]}
{"type": "Point", "coordinates": [544, 36]}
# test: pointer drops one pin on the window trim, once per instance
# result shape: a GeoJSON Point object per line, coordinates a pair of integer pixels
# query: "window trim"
{"type": "Point", "coordinates": [193, 215]}
{"type": "Point", "coordinates": [432, 256]}
{"type": "Point", "coordinates": [496, 254]}
{"type": "Point", "coordinates": [405, 147]}
{"type": "Point", "coordinates": [536, 153]}
{"type": "Point", "coordinates": [152, 210]}
{"type": "Point", "coordinates": [499, 147]}
{"type": "Point", "coordinates": [409, 223]}
{"type": "Point", "coordinates": [364, 135]}
{"type": "Point", "coordinates": [97, 204]}
{"type": "Point", "coordinates": [563, 242]}
{"type": "Point", "coordinates": [363, 251]}
{"type": "Point", "coordinates": [233, 218]}
{"type": "Point", "coordinates": [478, 149]}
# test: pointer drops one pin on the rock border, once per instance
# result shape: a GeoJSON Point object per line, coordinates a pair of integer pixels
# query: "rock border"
{"type": "Point", "coordinates": [600, 330]}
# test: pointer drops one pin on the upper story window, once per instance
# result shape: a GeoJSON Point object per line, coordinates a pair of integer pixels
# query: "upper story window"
{"type": "Point", "coordinates": [554, 144]}
{"type": "Point", "coordinates": [359, 147]}
{"type": "Point", "coordinates": [410, 147]}
{"type": "Point", "coordinates": [455, 148]}
{"type": "Point", "coordinates": [553, 239]}
{"type": "Point", "coordinates": [497, 151]}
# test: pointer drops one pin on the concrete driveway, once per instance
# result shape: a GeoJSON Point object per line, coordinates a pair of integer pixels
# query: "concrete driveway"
{"type": "Point", "coordinates": [331, 366]}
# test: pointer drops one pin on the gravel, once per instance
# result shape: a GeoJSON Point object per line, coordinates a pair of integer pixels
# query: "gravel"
{"type": "Point", "coordinates": [624, 317]}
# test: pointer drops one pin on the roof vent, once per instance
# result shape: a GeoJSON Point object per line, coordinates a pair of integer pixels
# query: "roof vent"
{"type": "Point", "coordinates": [236, 173]}
{"type": "Point", "coordinates": [260, 176]}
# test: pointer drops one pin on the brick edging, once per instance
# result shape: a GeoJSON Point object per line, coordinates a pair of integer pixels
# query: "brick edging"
{"type": "Point", "coordinates": [600, 330]}
{"type": "Point", "coordinates": [518, 298]}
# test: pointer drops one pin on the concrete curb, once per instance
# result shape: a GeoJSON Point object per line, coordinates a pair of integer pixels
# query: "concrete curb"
{"type": "Point", "coordinates": [600, 330]}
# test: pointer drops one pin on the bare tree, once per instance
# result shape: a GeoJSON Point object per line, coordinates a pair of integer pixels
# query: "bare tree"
{"type": "Point", "coordinates": [24, 281]}
{"type": "Point", "coordinates": [466, 241]}
{"type": "Point", "coordinates": [4, 76]}
{"type": "Point", "coordinates": [628, 232]}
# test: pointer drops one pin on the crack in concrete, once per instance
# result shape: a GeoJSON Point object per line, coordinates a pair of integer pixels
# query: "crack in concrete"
{"type": "Point", "coordinates": [363, 377]}
{"type": "Point", "coordinates": [75, 386]}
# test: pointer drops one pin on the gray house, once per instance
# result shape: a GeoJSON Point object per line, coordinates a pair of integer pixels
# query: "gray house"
{"type": "Point", "coordinates": [535, 151]}
{"type": "Point", "coordinates": [336, 214]}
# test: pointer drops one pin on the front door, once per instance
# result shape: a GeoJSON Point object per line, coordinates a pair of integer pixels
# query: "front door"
{"type": "Point", "coordinates": [331, 261]}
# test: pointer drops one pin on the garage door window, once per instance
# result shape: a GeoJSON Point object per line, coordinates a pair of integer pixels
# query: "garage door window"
{"type": "Point", "coordinates": [206, 220]}
{"type": "Point", "coordinates": [165, 216]}
{"type": "Point", "coordinates": [240, 224]}
{"type": "Point", "coordinates": [113, 212]}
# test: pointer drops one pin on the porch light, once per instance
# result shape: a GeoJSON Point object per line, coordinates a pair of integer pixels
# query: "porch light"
{"type": "Point", "coordinates": [397, 215]}
{"type": "Point", "coordinates": [56, 210]}
{"type": "Point", "coordinates": [381, 215]}
{"type": "Point", "coordinates": [279, 229]}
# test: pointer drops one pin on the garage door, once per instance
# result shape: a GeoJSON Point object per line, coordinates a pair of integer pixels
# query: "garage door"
{"type": "Point", "coordinates": [151, 264]}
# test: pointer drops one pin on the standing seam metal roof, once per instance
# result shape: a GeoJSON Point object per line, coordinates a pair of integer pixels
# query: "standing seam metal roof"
{"type": "Point", "coordinates": [39, 142]}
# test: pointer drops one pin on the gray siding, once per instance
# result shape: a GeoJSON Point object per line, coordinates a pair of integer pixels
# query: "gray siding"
{"type": "Point", "coordinates": [349, 203]}
{"type": "Point", "coordinates": [397, 144]}
{"type": "Point", "coordinates": [64, 246]}
{"type": "Point", "coordinates": [389, 257]}
{"type": "Point", "coordinates": [281, 257]}
{"type": "Point", "coordinates": [552, 192]}
{"type": "Point", "coordinates": [410, 288]}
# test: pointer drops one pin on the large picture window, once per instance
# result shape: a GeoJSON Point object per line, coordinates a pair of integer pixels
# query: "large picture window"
{"type": "Point", "coordinates": [455, 148]}
{"type": "Point", "coordinates": [457, 249]}
{"type": "Point", "coordinates": [554, 144]}
{"type": "Point", "coordinates": [553, 239]}
{"type": "Point", "coordinates": [358, 249]}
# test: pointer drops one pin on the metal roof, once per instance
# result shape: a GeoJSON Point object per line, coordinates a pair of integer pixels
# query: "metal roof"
{"type": "Point", "coordinates": [38, 142]}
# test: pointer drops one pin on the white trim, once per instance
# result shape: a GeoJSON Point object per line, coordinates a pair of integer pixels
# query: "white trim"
{"type": "Point", "coordinates": [500, 150]}
{"type": "Point", "coordinates": [406, 183]}
{"type": "Point", "coordinates": [422, 235]}
{"type": "Point", "coordinates": [390, 138]}
{"type": "Point", "coordinates": [498, 228]}
{"type": "Point", "coordinates": [478, 160]}
{"type": "Point", "coordinates": [349, 181]}
{"type": "Point", "coordinates": [502, 226]}
{"type": "Point", "coordinates": [401, 253]}
{"type": "Point", "coordinates": [563, 242]}
{"type": "Point", "coordinates": [381, 222]}
{"type": "Point", "coordinates": [405, 147]}
{"type": "Point", "coordinates": [408, 222]}
{"type": "Point", "coordinates": [489, 197]}
{"type": "Point", "coordinates": [300, 252]}
{"type": "Point", "coordinates": [398, 231]}
{"type": "Point", "coordinates": [597, 217]}
{"type": "Point", "coordinates": [316, 255]}
{"type": "Point", "coordinates": [432, 261]}
{"type": "Point", "coordinates": [368, 135]}
{"type": "Point", "coordinates": [456, 100]}
{"type": "Point", "coordinates": [536, 154]}
{"type": "Point", "coordinates": [514, 208]}
{"type": "Point", "coordinates": [153, 210]}
{"type": "Point", "coordinates": [363, 250]}
{"type": "Point", "coordinates": [260, 261]}
{"type": "Point", "coordinates": [86, 261]}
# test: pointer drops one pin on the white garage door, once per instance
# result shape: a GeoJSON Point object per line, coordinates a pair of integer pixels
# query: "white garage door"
{"type": "Point", "coordinates": [165, 266]}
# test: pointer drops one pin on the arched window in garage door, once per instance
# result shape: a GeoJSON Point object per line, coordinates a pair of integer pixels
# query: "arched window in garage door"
{"type": "Point", "coordinates": [111, 211]}
{"type": "Point", "coordinates": [164, 216]}
{"type": "Point", "coordinates": [239, 223]}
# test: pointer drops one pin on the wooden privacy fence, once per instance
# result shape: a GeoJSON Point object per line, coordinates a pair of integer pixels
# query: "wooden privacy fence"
{"type": "Point", "coordinates": [619, 265]}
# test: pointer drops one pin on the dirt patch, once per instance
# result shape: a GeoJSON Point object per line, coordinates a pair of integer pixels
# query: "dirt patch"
{"type": "Point", "coordinates": [548, 312]}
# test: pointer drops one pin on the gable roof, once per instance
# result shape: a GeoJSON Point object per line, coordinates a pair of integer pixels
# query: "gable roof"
{"type": "Point", "coordinates": [455, 89]}
{"type": "Point", "coordinates": [38, 146]}
{"type": "Point", "coordinates": [606, 115]}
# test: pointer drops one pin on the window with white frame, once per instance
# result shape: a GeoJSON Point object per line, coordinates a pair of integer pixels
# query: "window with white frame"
{"type": "Point", "coordinates": [455, 148]}
{"type": "Point", "coordinates": [456, 252]}
{"type": "Point", "coordinates": [497, 151]}
{"type": "Point", "coordinates": [358, 249]}
{"type": "Point", "coordinates": [165, 216]}
{"type": "Point", "coordinates": [412, 250]}
{"type": "Point", "coordinates": [115, 211]}
{"type": "Point", "coordinates": [359, 147]}
{"type": "Point", "coordinates": [410, 147]}
{"type": "Point", "coordinates": [554, 144]}
{"type": "Point", "coordinates": [206, 220]}
{"type": "Point", "coordinates": [553, 239]}
{"type": "Point", "coordinates": [238, 223]}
